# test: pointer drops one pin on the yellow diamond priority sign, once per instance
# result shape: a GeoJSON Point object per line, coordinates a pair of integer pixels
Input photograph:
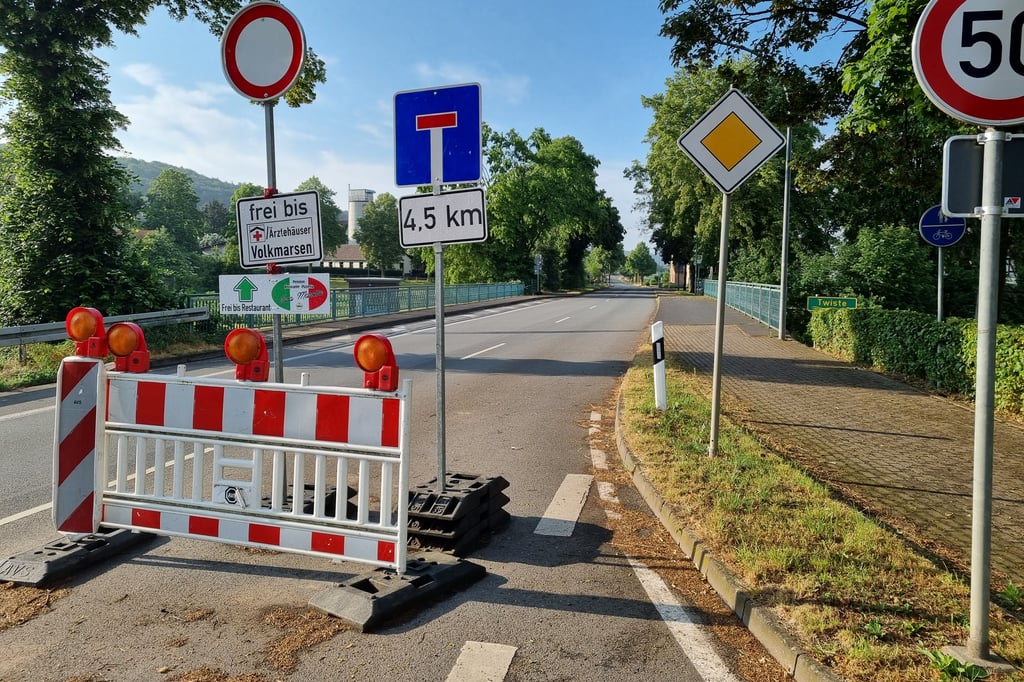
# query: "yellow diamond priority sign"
{"type": "Point", "coordinates": [731, 141]}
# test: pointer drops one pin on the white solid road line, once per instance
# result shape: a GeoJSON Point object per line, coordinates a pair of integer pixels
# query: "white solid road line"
{"type": "Point", "coordinates": [481, 352]}
{"type": "Point", "coordinates": [43, 507]}
{"type": "Point", "coordinates": [685, 629]}
{"type": "Point", "coordinates": [482, 662]}
{"type": "Point", "coordinates": [688, 632]}
{"type": "Point", "coordinates": [28, 512]}
{"type": "Point", "coordinates": [561, 515]}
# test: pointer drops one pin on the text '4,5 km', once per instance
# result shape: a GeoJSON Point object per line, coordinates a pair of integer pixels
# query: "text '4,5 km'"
{"type": "Point", "coordinates": [443, 218]}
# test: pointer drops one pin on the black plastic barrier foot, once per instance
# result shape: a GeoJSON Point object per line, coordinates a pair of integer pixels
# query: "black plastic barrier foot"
{"type": "Point", "coordinates": [461, 516]}
{"type": "Point", "coordinates": [370, 599]}
{"type": "Point", "coordinates": [60, 558]}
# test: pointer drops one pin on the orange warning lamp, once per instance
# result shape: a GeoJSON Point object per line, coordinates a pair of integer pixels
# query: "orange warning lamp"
{"type": "Point", "coordinates": [85, 327]}
{"type": "Point", "coordinates": [247, 349]}
{"type": "Point", "coordinates": [128, 344]}
{"type": "Point", "coordinates": [375, 357]}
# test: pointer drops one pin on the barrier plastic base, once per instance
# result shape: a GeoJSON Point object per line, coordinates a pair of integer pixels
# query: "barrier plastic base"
{"type": "Point", "coordinates": [370, 599]}
{"type": "Point", "coordinates": [59, 558]}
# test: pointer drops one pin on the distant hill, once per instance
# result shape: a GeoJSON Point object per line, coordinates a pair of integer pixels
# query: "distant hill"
{"type": "Point", "coordinates": [207, 189]}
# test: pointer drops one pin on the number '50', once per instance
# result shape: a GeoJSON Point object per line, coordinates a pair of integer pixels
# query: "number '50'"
{"type": "Point", "coordinates": [972, 35]}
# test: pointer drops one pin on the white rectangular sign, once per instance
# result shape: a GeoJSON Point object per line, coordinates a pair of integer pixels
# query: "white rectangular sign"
{"type": "Point", "coordinates": [448, 218]}
{"type": "Point", "coordinates": [281, 229]}
{"type": "Point", "coordinates": [274, 294]}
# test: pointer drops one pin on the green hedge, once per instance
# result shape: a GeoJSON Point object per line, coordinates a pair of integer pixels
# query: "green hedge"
{"type": "Point", "coordinates": [911, 344]}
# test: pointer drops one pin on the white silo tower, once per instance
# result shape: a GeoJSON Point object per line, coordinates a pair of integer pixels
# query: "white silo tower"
{"type": "Point", "coordinates": [357, 201]}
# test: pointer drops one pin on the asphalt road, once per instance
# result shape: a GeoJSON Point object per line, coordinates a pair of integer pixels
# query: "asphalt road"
{"type": "Point", "coordinates": [521, 383]}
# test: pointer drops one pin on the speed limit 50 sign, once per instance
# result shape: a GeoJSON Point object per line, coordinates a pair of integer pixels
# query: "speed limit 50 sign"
{"type": "Point", "coordinates": [969, 59]}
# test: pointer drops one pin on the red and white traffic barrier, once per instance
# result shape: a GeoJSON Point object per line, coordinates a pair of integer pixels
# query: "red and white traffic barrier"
{"type": "Point", "coordinates": [77, 442]}
{"type": "Point", "coordinates": [211, 459]}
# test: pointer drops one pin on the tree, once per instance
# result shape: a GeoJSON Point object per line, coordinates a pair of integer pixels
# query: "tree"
{"type": "Point", "coordinates": [542, 199]}
{"type": "Point", "coordinates": [377, 233]}
{"type": "Point", "coordinates": [216, 217]}
{"type": "Point", "coordinates": [599, 264]}
{"type": "Point", "coordinates": [639, 263]}
{"type": "Point", "coordinates": [334, 233]}
{"type": "Point", "coordinates": [231, 257]}
{"type": "Point", "coordinates": [776, 36]}
{"type": "Point", "coordinates": [64, 223]}
{"type": "Point", "coordinates": [172, 205]}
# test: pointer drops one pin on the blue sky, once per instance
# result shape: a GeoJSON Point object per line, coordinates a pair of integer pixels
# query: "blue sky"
{"type": "Point", "coordinates": [572, 67]}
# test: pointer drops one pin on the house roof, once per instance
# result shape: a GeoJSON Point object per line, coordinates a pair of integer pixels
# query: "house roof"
{"type": "Point", "coordinates": [346, 252]}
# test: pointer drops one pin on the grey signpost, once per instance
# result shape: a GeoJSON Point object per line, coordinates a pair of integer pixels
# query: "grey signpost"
{"type": "Point", "coordinates": [941, 230]}
{"type": "Point", "coordinates": [263, 49]}
{"type": "Point", "coordinates": [438, 141]}
{"type": "Point", "coordinates": [967, 65]}
{"type": "Point", "coordinates": [729, 143]}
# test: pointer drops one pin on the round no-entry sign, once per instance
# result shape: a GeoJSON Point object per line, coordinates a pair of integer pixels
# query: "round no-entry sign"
{"type": "Point", "coordinates": [262, 50]}
{"type": "Point", "coordinates": [969, 59]}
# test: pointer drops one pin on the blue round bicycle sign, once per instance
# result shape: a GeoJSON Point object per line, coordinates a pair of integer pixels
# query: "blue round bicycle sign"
{"type": "Point", "coordinates": [938, 229]}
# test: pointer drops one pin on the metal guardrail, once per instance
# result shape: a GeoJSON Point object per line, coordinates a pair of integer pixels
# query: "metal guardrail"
{"type": "Point", "coordinates": [344, 304]}
{"type": "Point", "coordinates": [55, 331]}
{"type": "Point", "coordinates": [759, 301]}
{"type": "Point", "coordinates": [365, 302]}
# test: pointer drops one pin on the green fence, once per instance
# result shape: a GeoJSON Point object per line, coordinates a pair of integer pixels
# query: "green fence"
{"type": "Point", "coordinates": [760, 301]}
{"type": "Point", "coordinates": [362, 302]}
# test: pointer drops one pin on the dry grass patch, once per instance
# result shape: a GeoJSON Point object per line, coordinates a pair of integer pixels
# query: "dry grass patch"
{"type": "Point", "coordinates": [20, 604]}
{"type": "Point", "coordinates": [854, 593]}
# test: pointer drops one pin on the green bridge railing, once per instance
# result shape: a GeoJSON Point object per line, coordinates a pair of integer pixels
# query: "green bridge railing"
{"type": "Point", "coordinates": [361, 302]}
{"type": "Point", "coordinates": [760, 301]}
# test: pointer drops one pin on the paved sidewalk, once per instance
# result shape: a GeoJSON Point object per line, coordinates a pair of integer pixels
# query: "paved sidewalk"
{"type": "Point", "coordinates": [899, 451]}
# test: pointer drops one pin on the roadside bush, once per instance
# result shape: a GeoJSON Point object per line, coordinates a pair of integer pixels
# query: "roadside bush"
{"type": "Point", "coordinates": [916, 345]}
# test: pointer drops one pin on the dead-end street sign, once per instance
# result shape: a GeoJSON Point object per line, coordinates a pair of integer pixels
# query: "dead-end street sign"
{"type": "Point", "coordinates": [281, 229]}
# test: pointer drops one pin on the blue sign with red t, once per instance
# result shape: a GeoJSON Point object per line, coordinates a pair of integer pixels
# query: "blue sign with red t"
{"type": "Point", "coordinates": [438, 135]}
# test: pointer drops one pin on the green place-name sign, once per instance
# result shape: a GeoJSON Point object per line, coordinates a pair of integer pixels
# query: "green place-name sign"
{"type": "Point", "coordinates": [830, 302]}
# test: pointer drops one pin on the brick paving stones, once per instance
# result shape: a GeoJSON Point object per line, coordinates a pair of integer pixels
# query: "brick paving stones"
{"type": "Point", "coordinates": [899, 450]}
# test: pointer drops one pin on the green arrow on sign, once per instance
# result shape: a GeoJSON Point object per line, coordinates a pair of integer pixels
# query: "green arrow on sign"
{"type": "Point", "coordinates": [245, 287]}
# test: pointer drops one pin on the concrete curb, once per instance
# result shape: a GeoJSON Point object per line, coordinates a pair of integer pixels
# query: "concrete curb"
{"type": "Point", "coordinates": [760, 621]}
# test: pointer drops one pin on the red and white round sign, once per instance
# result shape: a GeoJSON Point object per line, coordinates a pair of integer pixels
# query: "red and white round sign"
{"type": "Point", "coordinates": [262, 50]}
{"type": "Point", "coordinates": [969, 59]}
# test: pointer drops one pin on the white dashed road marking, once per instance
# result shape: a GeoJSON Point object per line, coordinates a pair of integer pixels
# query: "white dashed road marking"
{"type": "Point", "coordinates": [560, 517]}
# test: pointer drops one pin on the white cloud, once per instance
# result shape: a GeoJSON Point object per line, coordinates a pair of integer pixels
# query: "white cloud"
{"type": "Point", "coordinates": [509, 87]}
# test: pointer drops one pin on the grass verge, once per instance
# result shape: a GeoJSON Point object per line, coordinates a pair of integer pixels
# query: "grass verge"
{"type": "Point", "coordinates": [856, 596]}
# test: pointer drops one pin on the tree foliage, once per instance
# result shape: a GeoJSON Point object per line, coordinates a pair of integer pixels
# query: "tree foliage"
{"type": "Point", "coordinates": [775, 37]}
{"type": "Point", "coordinates": [640, 263]}
{"type": "Point", "coordinates": [172, 205]}
{"type": "Point", "coordinates": [334, 233]}
{"type": "Point", "coordinates": [377, 233]}
{"type": "Point", "coordinates": [858, 190]}
{"type": "Point", "coordinates": [65, 223]}
{"type": "Point", "coordinates": [542, 198]}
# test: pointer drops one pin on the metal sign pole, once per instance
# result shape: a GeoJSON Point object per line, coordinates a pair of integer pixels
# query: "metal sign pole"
{"type": "Point", "coordinates": [439, 323]}
{"type": "Point", "coordinates": [268, 116]}
{"type": "Point", "coordinates": [988, 288]}
{"type": "Point", "coordinates": [784, 266]}
{"type": "Point", "coordinates": [716, 377]}
{"type": "Point", "coordinates": [938, 314]}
